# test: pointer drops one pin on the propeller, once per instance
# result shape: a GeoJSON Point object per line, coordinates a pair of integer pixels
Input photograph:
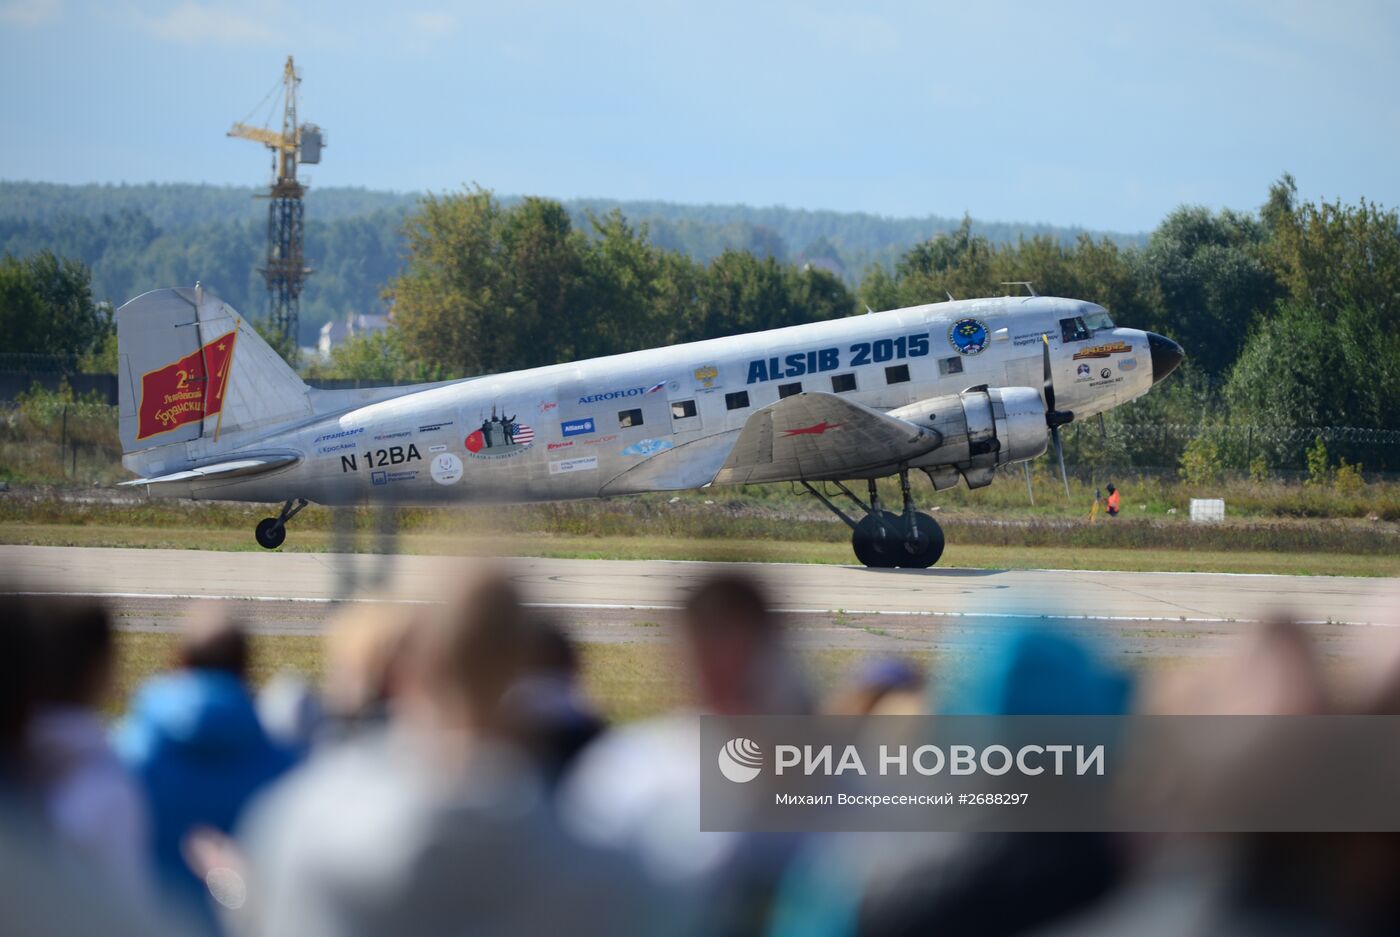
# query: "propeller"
{"type": "Point", "coordinates": [1054, 418]}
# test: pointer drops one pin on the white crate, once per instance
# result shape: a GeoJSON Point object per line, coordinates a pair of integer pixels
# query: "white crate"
{"type": "Point", "coordinates": [1207, 509]}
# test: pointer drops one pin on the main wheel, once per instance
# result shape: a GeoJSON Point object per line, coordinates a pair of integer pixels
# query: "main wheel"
{"type": "Point", "coordinates": [270, 533]}
{"type": "Point", "coordinates": [923, 549]}
{"type": "Point", "coordinates": [876, 540]}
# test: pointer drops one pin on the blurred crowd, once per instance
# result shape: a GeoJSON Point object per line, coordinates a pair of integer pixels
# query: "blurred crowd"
{"type": "Point", "coordinates": [450, 775]}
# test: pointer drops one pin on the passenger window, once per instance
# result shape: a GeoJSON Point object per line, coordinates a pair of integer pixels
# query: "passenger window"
{"type": "Point", "coordinates": [788, 390]}
{"type": "Point", "coordinates": [843, 383]}
{"type": "Point", "coordinates": [737, 400]}
{"type": "Point", "coordinates": [1074, 330]}
{"type": "Point", "coordinates": [897, 374]}
{"type": "Point", "coordinates": [627, 418]}
{"type": "Point", "coordinates": [682, 409]}
{"type": "Point", "coordinates": [952, 365]}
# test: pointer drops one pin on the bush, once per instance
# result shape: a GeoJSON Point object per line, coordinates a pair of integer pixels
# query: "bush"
{"type": "Point", "coordinates": [1347, 479]}
{"type": "Point", "coordinates": [1319, 470]}
{"type": "Point", "coordinates": [1201, 463]}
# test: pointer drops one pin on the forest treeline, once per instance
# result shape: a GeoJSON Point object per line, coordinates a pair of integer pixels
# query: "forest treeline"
{"type": "Point", "coordinates": [138, 237]}
{"type": "Point", "coordinates": [1290, 314]}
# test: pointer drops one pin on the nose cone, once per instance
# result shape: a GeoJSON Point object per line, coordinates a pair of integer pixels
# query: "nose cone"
{"type": "Point", "coordinates": [1166, 355]}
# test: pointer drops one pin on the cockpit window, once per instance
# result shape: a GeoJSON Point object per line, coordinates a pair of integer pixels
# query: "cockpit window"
{"type": "Point", "coordinates": [1073, 330]}
{"type": "Point", "coordinates": [1098, 320]}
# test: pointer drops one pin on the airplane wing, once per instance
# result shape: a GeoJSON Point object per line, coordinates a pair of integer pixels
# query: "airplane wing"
{"type": "Point", "coordinates": [816, 435]}
{"type": "Point", "coordinates": [236, 468]}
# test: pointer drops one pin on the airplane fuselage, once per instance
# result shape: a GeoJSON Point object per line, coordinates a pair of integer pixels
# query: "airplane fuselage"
{"type": "Point", "coordinates": [581, 430]}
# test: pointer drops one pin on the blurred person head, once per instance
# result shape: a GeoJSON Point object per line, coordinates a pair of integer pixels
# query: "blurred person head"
{"type": "Point", "coordinates": [884, 685]}
{"type": "Point", "coordinates": [467, 653]}
{"type": "Point", "coordinates": [1037, 672]}
{"type": "Point", "coordinates": [366, 645]}
{"type": "Point", "coordinates": [551, 716]}
{"type": "Point", "coordinates": [737, 648]}
{"type": "Point", "coordinates": [214, 638]}
{"type": "Point", "coordinates": [74, 652]}
{"type": "Point", "coordinates": [1273, 670]}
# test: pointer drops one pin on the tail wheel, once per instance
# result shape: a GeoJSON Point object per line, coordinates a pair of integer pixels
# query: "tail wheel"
{"type": "Point", "coordinates": [924, 548]}
{"type": "Point", "coordinates": [876, 540]}
{"type": "Point", "coordinates": [270, 533]}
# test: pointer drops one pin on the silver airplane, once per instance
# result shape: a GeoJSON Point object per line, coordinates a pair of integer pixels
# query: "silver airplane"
{"type": "Point", "coordinates": [955, 389]}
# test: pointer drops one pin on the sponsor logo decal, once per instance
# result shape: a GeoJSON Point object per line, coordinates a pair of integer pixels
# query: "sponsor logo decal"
{"type": "Point", "coordinates": [446, 469]}
{"type": "Point", "coordinates": [560, 445]}
{"type": "Point", "coordinates": [384, 478]}
{"type": "Point", "coordinates": [338, 447]}
{"type": "Point", "coordinates": [437, 448]}
{"type": "Point", "coordinates": [600, 439]}
{"type": "Point", "coordinates": [1083, 371]}
{"type": "Point", "coordinates": [499, 437]}
{"type": "Point", "coordinates": [340, 435]}
{"type": "Point", "coordinates": [816, 429]}
{"type": "Point", "coordinates": [968, 336]}
{"type": "Point", "coordinates": [1106, 373]}
{"type": "Point", "coordinates": [621, 394]}
{"type": "Point", "coordinates": [740, 760]}
{"type": "Point", "coordinates": [1102, 351]}
{"type": "Point", "coordinates": [586, 463]}
{"type": "Point", "coordinates": [399, 434]}
{"type": "Point", "coordinates": [706, 377]}
{"type": "Point", "coordinates": [576, 427]}
{"type": "Point", "coordinates": [648, 447]}
{"type": "Point", "coordinates": [434, 427]}
{"type": "Point", "coordinates": [546, 405]}
{"type": "Point", "coordinates": [186, 390]}
{"type": "Point", "coordinates": [1127, 364]}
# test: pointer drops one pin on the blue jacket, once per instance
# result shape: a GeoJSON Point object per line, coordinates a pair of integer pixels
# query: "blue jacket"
{"type": "Point", "coordinates": [194, 742]}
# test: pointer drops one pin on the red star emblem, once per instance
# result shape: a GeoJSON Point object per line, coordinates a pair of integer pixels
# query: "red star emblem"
{"type": "Point", "coordinates": [816, 429]}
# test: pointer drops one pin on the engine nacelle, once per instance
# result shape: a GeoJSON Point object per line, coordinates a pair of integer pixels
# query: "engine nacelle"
{"type": "Point", "coordinates": [981, 428]}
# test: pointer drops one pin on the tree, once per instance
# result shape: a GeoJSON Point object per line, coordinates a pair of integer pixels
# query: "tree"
{"type": "Point", "coordinates": [46, 307]}
{"type": "Point", "coordinates": [1212, 278]}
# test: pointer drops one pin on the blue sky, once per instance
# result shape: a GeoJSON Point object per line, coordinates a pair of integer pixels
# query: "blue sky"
{"type": "Point", "coordinates": [1106, 115]}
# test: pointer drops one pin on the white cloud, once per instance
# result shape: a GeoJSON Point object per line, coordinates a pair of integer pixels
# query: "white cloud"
{"type": "Point", "coordinates": [30, 12]}
{"type": "Point", "coordinates": [204, 22]}
{"type": "Point", "coordinates": [434, 24]}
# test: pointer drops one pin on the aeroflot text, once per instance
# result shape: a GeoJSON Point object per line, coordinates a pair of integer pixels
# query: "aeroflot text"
{"type": "Point", "coordinates": [930, 760]}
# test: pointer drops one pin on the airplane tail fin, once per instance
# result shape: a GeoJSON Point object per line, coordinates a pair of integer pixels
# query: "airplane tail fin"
{"type": "Point", "coordinates": [195, 375]}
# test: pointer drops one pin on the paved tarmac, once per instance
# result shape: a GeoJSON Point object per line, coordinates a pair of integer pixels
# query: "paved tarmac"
{"type": "Point", "coordinates": [1158, 613]}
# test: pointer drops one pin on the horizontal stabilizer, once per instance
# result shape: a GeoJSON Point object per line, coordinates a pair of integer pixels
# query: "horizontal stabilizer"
{"type": "Point", "coordinates": [233, 469]}
{"type": "Point", "coordinates": [820, 436]}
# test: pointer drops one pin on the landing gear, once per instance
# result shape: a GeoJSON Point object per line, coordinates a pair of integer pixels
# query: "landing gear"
{"type": "Point", "coordinates": [271, 532]}
{"type": "Point", "coordinates": [885, 540]}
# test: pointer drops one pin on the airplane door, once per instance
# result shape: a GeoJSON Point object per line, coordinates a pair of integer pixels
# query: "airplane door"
{"type": "Point", "coordinates": [685, 412]}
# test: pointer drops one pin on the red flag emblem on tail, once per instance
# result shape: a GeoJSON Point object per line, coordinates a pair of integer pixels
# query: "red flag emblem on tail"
{"type": "Point", "coordinates": [187, 390]}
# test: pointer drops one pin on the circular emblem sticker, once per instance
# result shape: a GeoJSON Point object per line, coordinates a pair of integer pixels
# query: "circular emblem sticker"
{"type": "Point", "coordinates": [446, 468]}
{"type": "Point", "coordinates": [1104, 373]}
{"type": "Point", "coordinates": [968, 336]}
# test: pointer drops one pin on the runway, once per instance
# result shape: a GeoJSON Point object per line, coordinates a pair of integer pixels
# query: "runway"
{"type": "Point", "coordinates": [605, 600]}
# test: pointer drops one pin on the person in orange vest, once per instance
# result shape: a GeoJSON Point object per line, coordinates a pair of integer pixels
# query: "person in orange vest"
{"type": "Point", "coordinates": [1112, 501]}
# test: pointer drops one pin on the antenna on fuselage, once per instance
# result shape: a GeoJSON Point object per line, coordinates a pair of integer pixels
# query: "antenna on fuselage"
{"type": "Point", "coordinates": [950, 296]}
{"type": "Point", "coordinates": [1026, 283]}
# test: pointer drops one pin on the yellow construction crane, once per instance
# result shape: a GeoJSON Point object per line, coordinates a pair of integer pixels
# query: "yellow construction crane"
{"type": "Point", "coordinates": [285, 269]}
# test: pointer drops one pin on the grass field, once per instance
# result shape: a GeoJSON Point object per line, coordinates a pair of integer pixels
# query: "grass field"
{"type": "Point", "coordinates": [628, 681]}
{"type": "Point", "coordinates": [972, 556]}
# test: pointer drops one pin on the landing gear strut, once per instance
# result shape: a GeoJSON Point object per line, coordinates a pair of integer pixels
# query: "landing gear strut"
{"type": "Point", "coordinates": [272, 531]}
{"type": "Point", "coordinates": [884, 540]}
